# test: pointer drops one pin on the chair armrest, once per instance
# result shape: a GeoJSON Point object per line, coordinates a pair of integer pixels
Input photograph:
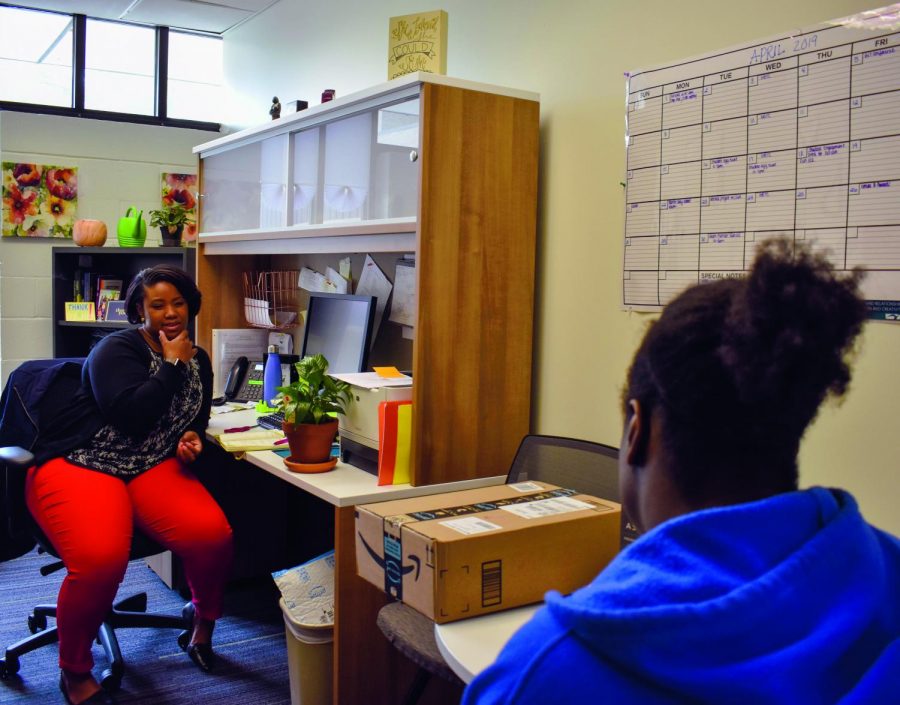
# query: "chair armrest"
{"type": "Point", "coordinates": [16, 457]}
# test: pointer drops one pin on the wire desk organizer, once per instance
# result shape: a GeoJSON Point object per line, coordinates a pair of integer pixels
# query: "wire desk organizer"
{"type": "Point", "coordinates": [271, 299]}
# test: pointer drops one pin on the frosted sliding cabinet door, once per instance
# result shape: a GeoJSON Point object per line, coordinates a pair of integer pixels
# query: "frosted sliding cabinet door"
{"type": "Point", "coordinates": [395, 156]}
{"type": "Point", "coordinates": [348, 147]}
{"type": "Point", "coordinates": [273, 182]}
{"type": "Point", "coordinates": [245, 188]}
{"type": "Point", "coordinates": [306, 189]}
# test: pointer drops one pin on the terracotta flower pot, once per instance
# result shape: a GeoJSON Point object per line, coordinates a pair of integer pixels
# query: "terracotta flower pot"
{"type": "Point", "coordinates": [310, 443]}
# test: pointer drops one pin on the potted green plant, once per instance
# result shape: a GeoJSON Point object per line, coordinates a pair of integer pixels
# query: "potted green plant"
{"type": "Point", "coordinates": [309, 405]}
{"type": "Point", "coordinates": [170, 221]}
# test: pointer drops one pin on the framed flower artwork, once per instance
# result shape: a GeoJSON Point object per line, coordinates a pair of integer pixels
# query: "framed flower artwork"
{"type": "Point", "coordinates": [39, 200]}
{"type": "Point", "coordinates": [182, 189]}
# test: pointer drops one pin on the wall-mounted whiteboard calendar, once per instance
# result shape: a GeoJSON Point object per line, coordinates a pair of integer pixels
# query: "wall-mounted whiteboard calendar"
{"type": "Point", "coordinates": [796, 136]}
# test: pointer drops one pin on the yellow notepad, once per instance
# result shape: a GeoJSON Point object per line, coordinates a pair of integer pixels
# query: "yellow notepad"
{"type": "Point", "coordinates": [257, 439]}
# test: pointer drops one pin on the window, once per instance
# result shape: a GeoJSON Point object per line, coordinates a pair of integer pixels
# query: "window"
{"type": "Point", "coordinates": [75, 66]}
{"type": "Point", "coordinates": [35, 57]}
{"type": "Point", "coordinates": [195, 77]}
{"type": "Point", "coordinates": [120, 68]}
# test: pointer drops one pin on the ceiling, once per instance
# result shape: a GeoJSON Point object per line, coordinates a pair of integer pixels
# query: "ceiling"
{"type": "Point", "coordinates": [214, 16]}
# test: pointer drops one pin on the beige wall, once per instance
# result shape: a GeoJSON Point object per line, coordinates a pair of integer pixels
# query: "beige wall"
{"type": "Point", "coordinates": [119, 165]}
{"type": "Point", "coordinates": [574, 53]}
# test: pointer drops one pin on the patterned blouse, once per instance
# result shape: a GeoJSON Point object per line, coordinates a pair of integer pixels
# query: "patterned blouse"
{"type": "Point", "coordinates": [115, 453]}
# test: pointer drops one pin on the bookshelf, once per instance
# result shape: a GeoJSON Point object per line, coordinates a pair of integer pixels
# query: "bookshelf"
{"type": "Point", "coordinates": [75, 338]}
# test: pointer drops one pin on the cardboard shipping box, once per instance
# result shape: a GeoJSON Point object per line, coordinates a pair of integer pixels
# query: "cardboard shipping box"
{"type": "Point", "coordinates": [461, 554]}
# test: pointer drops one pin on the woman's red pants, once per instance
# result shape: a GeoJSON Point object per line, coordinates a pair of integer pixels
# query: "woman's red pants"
{"type": "Point", "coordinates": [88, 517]}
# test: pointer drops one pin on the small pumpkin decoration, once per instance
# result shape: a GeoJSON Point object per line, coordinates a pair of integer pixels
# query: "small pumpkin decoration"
{"type": "Point", "coordinates": [89, 233]}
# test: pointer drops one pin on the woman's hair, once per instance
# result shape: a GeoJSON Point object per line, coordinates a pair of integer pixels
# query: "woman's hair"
{"type": "Point", "coordinates": [736, 370]}
{"type": "Point", "coordinates": [154, 275]}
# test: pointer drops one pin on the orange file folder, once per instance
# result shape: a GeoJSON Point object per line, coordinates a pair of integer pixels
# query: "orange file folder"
{"type": "Point", "coordinates": [394, 442]}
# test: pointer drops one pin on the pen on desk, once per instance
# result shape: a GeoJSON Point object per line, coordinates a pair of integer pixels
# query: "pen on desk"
{"type": "Point", "coordinates": [281, 441]}
{"type": "Point", "coordinates": [238, 429]}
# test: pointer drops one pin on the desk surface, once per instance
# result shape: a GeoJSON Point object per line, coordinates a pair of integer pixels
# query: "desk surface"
{"type": "Point", "coordinates": [344, 486]}
{"type": "Point", "coordinates": [471, 645]}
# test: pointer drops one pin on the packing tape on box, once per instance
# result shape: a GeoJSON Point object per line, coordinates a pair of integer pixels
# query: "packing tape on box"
{"type": "Point", "coordinates": [449, 512]}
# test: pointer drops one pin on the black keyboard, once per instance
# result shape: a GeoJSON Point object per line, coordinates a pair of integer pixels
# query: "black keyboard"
{"type": "Point", "coordinates": [271, 420]}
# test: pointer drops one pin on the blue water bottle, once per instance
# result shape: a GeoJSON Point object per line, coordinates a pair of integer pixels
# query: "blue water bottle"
{"type": "Point", "coordinates": [271, 375]}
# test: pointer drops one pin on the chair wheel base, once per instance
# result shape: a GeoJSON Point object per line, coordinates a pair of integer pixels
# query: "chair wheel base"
{"type": "Point", "coordinates": [109, 681]}
{"type": "Point", "coordinates": [36, 623]}
{"type": "Point", "coordinates": [9, 666]}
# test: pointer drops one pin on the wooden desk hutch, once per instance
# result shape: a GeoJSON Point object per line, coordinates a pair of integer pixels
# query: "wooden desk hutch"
{"type": "Point", "coordinates": [438, 168]}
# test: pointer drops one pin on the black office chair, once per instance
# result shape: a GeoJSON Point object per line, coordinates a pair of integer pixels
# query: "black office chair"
{"type": "Point", "coordinates": [590, 468]}
{"type": "Point", "coordinates": [19, 525]}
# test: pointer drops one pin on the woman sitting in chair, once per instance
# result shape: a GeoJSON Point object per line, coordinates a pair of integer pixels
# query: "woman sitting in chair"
{"type": "Point", "coordinates": [743, 589]}
{"type": "Point", "coordinates": [147, 393]}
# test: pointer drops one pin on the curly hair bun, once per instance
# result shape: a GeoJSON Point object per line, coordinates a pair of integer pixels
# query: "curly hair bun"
{"type": "Point", "coordinates": [788, 332]}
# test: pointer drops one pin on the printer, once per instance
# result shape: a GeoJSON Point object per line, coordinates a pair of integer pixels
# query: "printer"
{"type": "Point", "coordinates": [358, 428]}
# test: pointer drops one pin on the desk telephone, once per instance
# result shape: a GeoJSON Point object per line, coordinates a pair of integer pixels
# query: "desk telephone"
{"type": "Point", "coordinates": [245, 379]}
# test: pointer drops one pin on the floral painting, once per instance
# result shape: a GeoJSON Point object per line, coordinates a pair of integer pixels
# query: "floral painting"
{"type": "Point", "coordinates": [39, 200]}
{"type": "Point", "coordinates": [182, 189]}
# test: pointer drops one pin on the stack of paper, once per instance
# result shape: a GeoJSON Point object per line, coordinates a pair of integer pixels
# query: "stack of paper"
{"type": "Point", "coordinates": [372, 380]}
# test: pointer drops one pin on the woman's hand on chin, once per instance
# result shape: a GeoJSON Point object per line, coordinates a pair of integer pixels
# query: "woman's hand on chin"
{"type": "Point", "coordinates": [180, 346]}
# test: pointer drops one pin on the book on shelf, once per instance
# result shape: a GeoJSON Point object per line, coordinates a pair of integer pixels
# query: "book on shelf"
{"type": "Point", "coordinates": [108, 288]}
{"type": "Point", "coordinates": [87, 286]}
{"type": "Point", "coordinates": [105, 282]}
{"type": "Point", "coordinates": [103, 299]}
{"type": "Point", "coordinates": [115, 311]}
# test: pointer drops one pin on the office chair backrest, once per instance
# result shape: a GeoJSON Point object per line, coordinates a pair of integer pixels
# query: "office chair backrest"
{"type": "Point", "coordinates": [20, 414]}
{"type": "Point", "coordinates": [34, 395]}
{"type": "Point", "coordinates": [591, 468]}
{"type": "Point", "coordinates": [35, 389]}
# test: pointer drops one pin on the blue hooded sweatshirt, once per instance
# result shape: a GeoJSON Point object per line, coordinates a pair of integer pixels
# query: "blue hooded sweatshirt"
{"type": "Point", "coordinates": [791, 600]}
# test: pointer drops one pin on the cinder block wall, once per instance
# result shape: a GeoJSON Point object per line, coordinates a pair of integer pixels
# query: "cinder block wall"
{"type": "Point", "coordinates": [119, 165]}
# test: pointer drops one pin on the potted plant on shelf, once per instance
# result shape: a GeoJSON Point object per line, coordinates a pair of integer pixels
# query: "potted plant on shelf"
{"type": "Point", "coordinates": [170, 221]}
{"type": "Point", "coordinates": [309, 405]}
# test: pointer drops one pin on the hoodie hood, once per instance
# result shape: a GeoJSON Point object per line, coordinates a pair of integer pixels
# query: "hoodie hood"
{"type": "Point", "coordinates": [742, 600]}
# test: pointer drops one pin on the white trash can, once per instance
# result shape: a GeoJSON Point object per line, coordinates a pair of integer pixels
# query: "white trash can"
{"type": "Point", "coordinates": [307, 604]}
{"type": "Point", "coordinates": [310, 655]}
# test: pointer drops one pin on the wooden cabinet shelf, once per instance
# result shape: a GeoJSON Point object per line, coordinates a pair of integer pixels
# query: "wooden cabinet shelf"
{"type": "Point", "coordinates": [384, 226]}
{"type": "Point", "coordinates": [429, 166]}
{"type": "Point", "coordinates": [387, 235]}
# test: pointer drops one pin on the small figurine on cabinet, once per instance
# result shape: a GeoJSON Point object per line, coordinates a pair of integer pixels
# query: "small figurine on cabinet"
{"type": "Point", "coordinates": [275, 110]}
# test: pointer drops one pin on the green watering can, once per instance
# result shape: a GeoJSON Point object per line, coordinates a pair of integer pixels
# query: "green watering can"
{"type": "Point", "coordinates": [132, 230]}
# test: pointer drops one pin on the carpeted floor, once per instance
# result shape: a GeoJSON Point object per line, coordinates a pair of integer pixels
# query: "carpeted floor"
{"type": "Point", "coordinates": [249, 641]}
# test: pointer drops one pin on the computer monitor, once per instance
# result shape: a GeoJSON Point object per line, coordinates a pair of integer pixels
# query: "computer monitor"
{"type": "Point", "coordinates": [339, 326]}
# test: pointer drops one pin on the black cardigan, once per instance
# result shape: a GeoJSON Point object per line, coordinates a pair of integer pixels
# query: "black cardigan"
{"type": "Point", "coordinates": [116, 389]}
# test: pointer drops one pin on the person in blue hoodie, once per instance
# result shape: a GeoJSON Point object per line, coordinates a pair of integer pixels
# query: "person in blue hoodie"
{"type": "Point", "coordinates": [742, 589]}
